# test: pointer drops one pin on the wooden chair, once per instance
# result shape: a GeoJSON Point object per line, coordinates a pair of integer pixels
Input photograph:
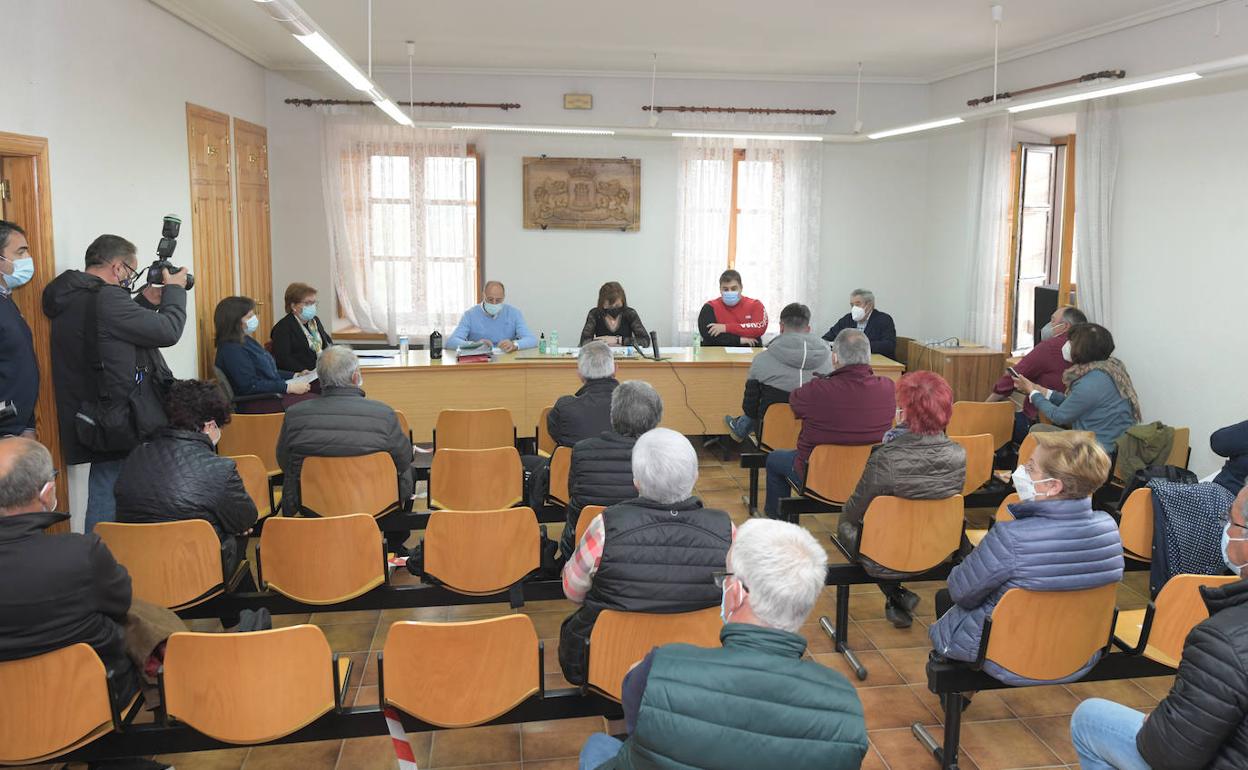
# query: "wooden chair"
{"type": "Point", "coordinates": [253, 687]}
{"type": "Point", "coordinates": [321, 561]}
{"type": "Point", "coordinates": [337, 486]}
{"type": "Point", "coordinates": [780, 428]}
{"type": "Point", "coordinates": [175, 564]}
{"type": "Point", "coordinates": [256, 480]}
{"type": "Point", "coordinates": [1048, 635]}
{"type": "Point", "coordinates": [482, 552]}
{"type": "Point", "coordinates": [460, 674]}
{"type": "Point", "coordinates": [1158, 632]}
{"type": "Point", "coordinates": [971, 418]}
{"type": "Point", "coordinates": [1136, 525]}
{"type": "Point", "coordinates": [833, 472]}
{"type": "Point", "coordinates": [404, 425]}
{"type": "Point", "coordinates": [475, 479]}
{"type": "Point", "coordinates": [253, 434]}
{"type": "Point", "coordinates": [560, 467]}
{"type": "Point", "coordinates": [545, 443]}
{"type": "Point", "coordinates": [976, 536]}
{"type": "Point", "coordinates": [979, 452]}
{"type": "Point", "coordinates": [54, 703]}
{"type": "Point", "coordinates": [474, 429]}
{"type": "Point", "coordinates": [588, 514]}
{"type": "Point", "coordinates": [620, 639]}
{"type": "Point", "coordinates": [1027, 448]}
{"type": "Point", "coordinates": [911, 535]}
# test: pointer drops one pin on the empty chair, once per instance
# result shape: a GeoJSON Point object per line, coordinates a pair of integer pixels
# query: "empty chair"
{"type": "Point", "coordinates": [979, 452]}
{"type": "Point", "coordinates": [475, 479]}
{"type": "Point", "coordinates": [256, 480]}
{"type": "Point", "coordinates": [560, 466]}
{"type": "Point", "coordinates": [53, 703]}
{"type": "Point", "coordinates": [482, 552]}
{"type": "Point", "coordinates": [173, 564]}
{"type": "Point", "coordinates": [780, 428]}
{"type": "Point", "coordinates": [253, 434]}
{"type": "Point", "coordinates": [474, 429]}
{"type": "Point", "coordinates": [976, 536]}
{"type": "Point", "coordinates": [588, 514]}
{"type": "Point", "coordinates": [620, 639]}
{"type": "Point", "coordinates": [460, 674]}
{"type": "Point", "coordinates": [337, 486]}
{"type": "Point", "coordinates": [1158, 632]}
{"type": "Point", "coordinates": [1136, 525]}
{"type": "Point", "coordinates": [833, 472]}
{"type": "Point", "coordinates": [545, 442]}
{"type": "Point", "coordinates": [971, 418]}
{"type": "Point", "coordinates": [253, 687]}
{"type": "Point", "coordinates": [321, 561]}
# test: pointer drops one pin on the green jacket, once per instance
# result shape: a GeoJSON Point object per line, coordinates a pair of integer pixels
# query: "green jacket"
{"type": "Point", "coordinates": [1144, 445]}
{"type": "Point", "coordinates": [754, 703]}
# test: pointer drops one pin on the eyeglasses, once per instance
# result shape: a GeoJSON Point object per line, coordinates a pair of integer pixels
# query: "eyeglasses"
{"type": "Point", "coordinates": [720, 577]}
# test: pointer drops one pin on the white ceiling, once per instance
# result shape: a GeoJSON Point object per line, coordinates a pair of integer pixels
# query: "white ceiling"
{"type": "Point", "coordinates": [905, 40]}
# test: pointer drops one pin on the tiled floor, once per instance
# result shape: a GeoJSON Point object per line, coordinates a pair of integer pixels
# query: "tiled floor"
{"type": "Point", "coordinates": [1003, 730]}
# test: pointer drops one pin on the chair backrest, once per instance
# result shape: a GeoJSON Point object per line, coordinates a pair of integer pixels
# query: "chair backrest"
{"type": "Point", "coordinates": [251, 687]}
{"type": "Point", "coordinates": [1179, 450]}
{"type": "Point", "coordinates": [174, 564]}
{"type": "Point", "coordinates": [560, 467]}
{"type": "Point", "coordinates": [911, 535]}
{"type": "Point", "coordinates": [1178, 609]}
{"type": "Point", "coordinates": [588, 514]}
{"type": "Point", "coordinates": [620, 639]}
{"type": "Point", "coordinates": [545, 442]}
{"type": "Point", "coordinates": [460, 674]}
{"type": "Point", "coordinates": [979, 451]}
{"type": "Point", "coordinates": [404, 425]}
{"type": "Point", "coordinates": [1136, 525]}
{"type": "Point", "coordinates": [253, 434]}
{"type": "Point", "coordinates": [475, 479]}
{"type": "Point", "coordinates": [970, 418]}
{"type": "Point", "coordinates": [1003, 510]}
{"type": "Point", "coordinates": [482, 552]}
{"type": "Point", "coordinates": [223, 382]}
{"type": "Point", "coordinates": [322, 561]}
{"type": "Point", "coordinates": [1047, 635]}
{"type": "Point", "coordinates": [834, 470]}
{"type": "Point", "coordinates": [53, 703]}
{"type": "Point", "coordinates": [1026, 449]}
{"type": "Point", "coordinates": [256, 482]}
{"type": "Point", "coordinates": [780, 428]}
{"type": "Point", "coordinates": [337, 486]}
{"type": "Point", "coordinates": [474, 429]}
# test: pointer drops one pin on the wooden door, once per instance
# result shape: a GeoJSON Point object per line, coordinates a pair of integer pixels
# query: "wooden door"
{"type": "Point", "coordinates": [255, 255]}
{"type": "Point", "coordinates": [212, 227]}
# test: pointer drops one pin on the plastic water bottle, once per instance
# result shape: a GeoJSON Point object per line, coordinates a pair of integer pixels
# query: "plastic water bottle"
{"type": "Point", "coordinates": [541, 344]}
{"type": "Point", "coordinates": [435, 345]}
{"type": "Point", "coordinates": [697, 344]}
{"type": "Point", "coordinates": [553, 345]}
{"type": "Point", "coordinates": [403, 348]}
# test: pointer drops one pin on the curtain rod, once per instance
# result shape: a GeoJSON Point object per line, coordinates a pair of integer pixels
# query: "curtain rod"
{"type": "Point", "coordinates": [452, 105]}
{"type": "Point", "coordinates": [1103, 74]}
{"type": "Point", "coordinates": [747, 110]}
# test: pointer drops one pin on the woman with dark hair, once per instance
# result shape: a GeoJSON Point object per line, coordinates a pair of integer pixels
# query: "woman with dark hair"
{"type": "Point", "coordinates": [917, 461]}
{"type": "Point", "coordinates": [1099, 394]}
{"type": "Point", "coordinates": [177, 475]}
{"type": "Point", "coordinates": [300, 336]}
{"type": "Point", "coordinates": [249, 367]}
{"type": "Point", "coordinates": [613, 321]}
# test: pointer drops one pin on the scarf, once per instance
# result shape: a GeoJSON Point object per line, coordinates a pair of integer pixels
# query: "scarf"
{"type": "Point", "coordinates": [1116, 371]}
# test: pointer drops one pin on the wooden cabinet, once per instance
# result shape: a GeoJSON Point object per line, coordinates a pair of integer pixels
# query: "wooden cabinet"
{"type": "Point", "coordinates": [212, 222]}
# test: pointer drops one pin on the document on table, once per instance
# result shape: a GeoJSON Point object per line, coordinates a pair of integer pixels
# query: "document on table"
{"type": "Point", "coordinates": [744, 351]}
{"type": "Point", "coordinates": [309, 378]}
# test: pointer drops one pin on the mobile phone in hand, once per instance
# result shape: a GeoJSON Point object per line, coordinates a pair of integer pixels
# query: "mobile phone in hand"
{"type": "Point", "coordinates": [1013, 372]}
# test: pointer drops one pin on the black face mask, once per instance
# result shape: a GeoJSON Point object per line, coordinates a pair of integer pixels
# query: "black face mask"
{"type": "Point", "coordinates": [129, 283]}
{"type": "Point", "coordinates": [614, 312]}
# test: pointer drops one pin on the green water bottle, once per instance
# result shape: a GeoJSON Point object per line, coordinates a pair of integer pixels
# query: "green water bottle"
{"type": "Point", "coordinates": [697, 343]}
{"type": "Point", "coordinates": [541, 344]}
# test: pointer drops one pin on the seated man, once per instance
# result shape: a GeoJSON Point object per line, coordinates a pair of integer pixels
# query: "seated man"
{"type": "Point", "coordinates": [732, 320]}
{"type": "Point", "coordinates": [493, 323]}
{"type": "Point", "coordinates": [851, 406]}
{"type": "Point", "coordinates": [602, 467]}
{"type": "Point", "coordinates": [754, 702]}
{"type": "Point", "coordinates": [343, 423]}
{"type": "Point", "coordinates": [657, 553]}
{"type": "Point", "coordinates": [1043, 365]}
{"type": "Point", "coordinates": [790, 361]}
{"type": "Point", "coordinates": [876, 324]}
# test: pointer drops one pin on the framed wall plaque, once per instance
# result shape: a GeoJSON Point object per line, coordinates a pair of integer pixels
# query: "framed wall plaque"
{"type": "Point", "coordinates": [582, 194]}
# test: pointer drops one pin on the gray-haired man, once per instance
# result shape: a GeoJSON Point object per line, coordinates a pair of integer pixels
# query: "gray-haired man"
{"type": "Point", "coordinates": [876, 324]}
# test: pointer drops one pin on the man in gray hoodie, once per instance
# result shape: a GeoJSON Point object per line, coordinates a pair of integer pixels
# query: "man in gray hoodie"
{"type": "Point", "coordinates": [789, 362]}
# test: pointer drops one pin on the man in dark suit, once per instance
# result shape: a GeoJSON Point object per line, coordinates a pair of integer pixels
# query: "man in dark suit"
{"type": "Point", "coordinates": [19, 373]}
{"type": "Point", "coordinates": [876, 324]}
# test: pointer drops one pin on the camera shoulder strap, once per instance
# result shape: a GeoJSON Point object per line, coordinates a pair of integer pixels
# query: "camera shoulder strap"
{"type": "Point", "coordinates": [91, 343]}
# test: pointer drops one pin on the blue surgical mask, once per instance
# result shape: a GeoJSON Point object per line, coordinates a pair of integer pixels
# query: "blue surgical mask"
{"type": "Point", "coordinates": [1226, 542]}
{"type": "Point", "coordinates": [730, 298]}
{"type": "Point", "coordinates": [308, 312]}
{"type": "Point", "coordinates": [23, 271]}
{"type": "Point", "coordinates": [251, 324]}
{"type": "Point", "coordinates": [492, 310]}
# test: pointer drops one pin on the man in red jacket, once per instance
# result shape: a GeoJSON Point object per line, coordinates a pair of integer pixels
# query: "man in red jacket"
{"type": "Point", "coordinates": [732, 320]}
{"type": "Point", "coordinates": [852, 406]}
{"type": "Point", "coordinates": [1044, 365]}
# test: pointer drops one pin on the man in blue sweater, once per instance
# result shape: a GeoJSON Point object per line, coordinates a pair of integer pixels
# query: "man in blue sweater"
{"type": "Point", "coordinates": [493, 322]}
{"type": "Point", "coordinates": [19, 373]}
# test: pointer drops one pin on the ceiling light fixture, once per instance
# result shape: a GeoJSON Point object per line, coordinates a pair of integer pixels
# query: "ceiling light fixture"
{"type": "Point", "coordinates": [1098, 93]}
{"type": "Point", "coordinates": [915, 128]}
{"type": "Point", "coordinates": [761, 137]}
{"type": "Point", "coordinates": [534, 129]}
{"type": "Point", "coordinates": [336, 60]}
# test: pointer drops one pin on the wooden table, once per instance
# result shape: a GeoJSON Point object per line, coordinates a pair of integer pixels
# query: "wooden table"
{"type": "Point", "coordinates": [697, 391]}
{"type": "Point", "coordinates": [972, 370]}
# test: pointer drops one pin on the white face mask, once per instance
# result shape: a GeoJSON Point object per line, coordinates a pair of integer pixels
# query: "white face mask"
{"type": "Point", "coordinates": [213, 432]}
{"type": "Point", "coordinates": [724, 612]}
{"type": "Point", "coordinates": [857, 313]}
{"type": "Point", "coordinates": [1226, 542]}
{"type": "Point", "coordinates": [1066, 352]}
{"type": "Point", "coordinates": [1025, 486]}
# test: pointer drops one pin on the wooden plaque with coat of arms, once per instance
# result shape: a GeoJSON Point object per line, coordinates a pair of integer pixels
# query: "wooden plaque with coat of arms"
{"type": "Point", "coordinates": [582, 194]}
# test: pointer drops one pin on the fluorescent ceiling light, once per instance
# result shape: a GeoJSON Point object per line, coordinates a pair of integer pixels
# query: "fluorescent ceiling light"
{"type": "Point", "coordinates": [392, 109]}
{"type": "Point", "coordinates": [1125, 89]}
{"type": "Point", "coordinates": [534, 129]}
{"type": "Point", "coordinates": [915, 128]}
{"type": "Point", "coordinates": [329, 53]}
{"type": "Point", "coordinates": [760, 137]}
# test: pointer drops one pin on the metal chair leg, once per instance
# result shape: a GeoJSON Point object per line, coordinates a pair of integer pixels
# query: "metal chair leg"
{"type": "Point", "coordinates": [840, 632]}
{"type": "Point", "coordinates": [946, 755]}
{"type": "Point", "coordinates": [753, 501]}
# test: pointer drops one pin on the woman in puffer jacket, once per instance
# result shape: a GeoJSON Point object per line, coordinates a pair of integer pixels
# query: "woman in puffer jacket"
{"type": "Point", "coordinates": [1056, 542]}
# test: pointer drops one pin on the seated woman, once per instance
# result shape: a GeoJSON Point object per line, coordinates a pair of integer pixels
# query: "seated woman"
{"type": "Point", "coordinates": [613, 321]}
{"type": "Point", "coordinates": [1099, 395]}
{"type": "Point", "coordinates": [248, 366]}
{"type": "Point", "coordinates": [178, 476]}
{"type": "Point", "coordinates": [299, 337]}
{"type": "Point", "coordinates": [917, 461]}
{"type": "Point", "coordinates": [1056, 542]}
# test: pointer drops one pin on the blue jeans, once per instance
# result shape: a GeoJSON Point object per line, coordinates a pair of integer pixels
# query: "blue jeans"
{"type": "Point", "coordinates": [1104, 736]}
{"type": "Point", "coordinates": [101, 504]}
{"type": "Point", "coordinates": [780, 471]}
{"type": "Point", "coordinates": [744, 425]}
{"type": "Point", "coordinates": [598, 748]}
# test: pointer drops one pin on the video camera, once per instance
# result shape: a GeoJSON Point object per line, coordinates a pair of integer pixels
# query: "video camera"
{"type": "Point", "coordinates": [164, 250]}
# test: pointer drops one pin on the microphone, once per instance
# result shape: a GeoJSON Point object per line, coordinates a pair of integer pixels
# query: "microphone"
{"type": "Point", "coordinates": [654, 345]}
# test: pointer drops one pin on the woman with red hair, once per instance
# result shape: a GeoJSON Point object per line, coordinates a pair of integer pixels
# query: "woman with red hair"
{"type": "Point", "coordinates": [917, 461]}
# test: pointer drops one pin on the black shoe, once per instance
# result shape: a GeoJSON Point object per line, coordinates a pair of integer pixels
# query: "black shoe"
{"type": "Point", "coordinates": [908, 600]}
{"type": "Point", "coordinates": [898, 616]}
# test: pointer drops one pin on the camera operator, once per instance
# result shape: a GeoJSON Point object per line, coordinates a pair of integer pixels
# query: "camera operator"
{"type": "Point", "coordinates": [19, 373]}
{"type": "Point", "coordinates": [105, 409]}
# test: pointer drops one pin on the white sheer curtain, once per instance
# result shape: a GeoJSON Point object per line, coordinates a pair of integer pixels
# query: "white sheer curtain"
{"type": "Point", "coordinates": [401, 207]}
{"type": "Point", "coordinates": [703, 200]}
{"type": "Point", "coordinates": [1096, 169]}
{"type": "Point", "coordinates": [985, 319]}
